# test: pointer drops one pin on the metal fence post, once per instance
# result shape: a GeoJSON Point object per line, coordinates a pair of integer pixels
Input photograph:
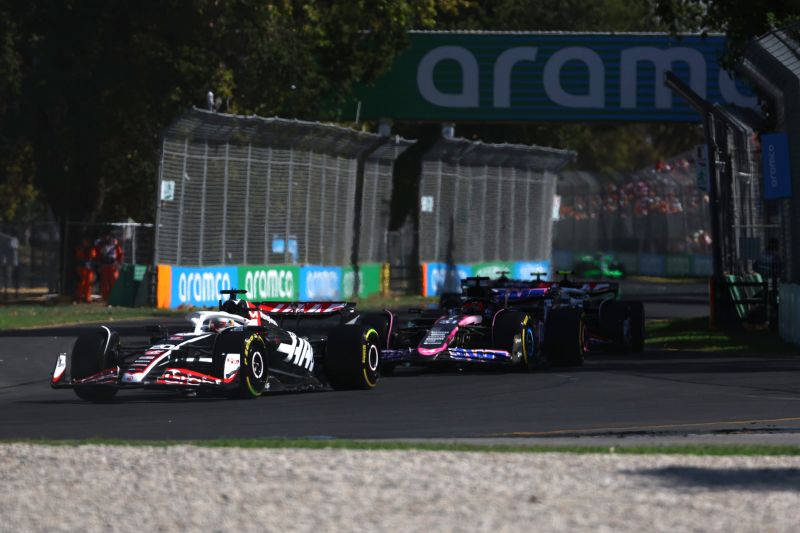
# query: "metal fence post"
{"type": "Point", "coordinates": [225, 204]}
{"type": "Point", "coordinates": [267, 203]}
{"type": "Point", "coordinates": [527, 233]}
{"type": "Point", "coordinates": [438, 206]}
{"type": "Point", "coordinates": [321, 224]}
{"type": "Point", "coordinates": [288, 207]}
{"type": "Point", "coordinates": [203, 206]}
{"type": "Point", "coordinates": [308, 207]}
{"type": "Point", "coordinates": [178, 258]}
{"type": "Point", "coordinates": [247, 204]}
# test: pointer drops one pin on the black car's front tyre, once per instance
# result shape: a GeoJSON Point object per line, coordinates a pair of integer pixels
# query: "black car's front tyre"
{"type": "Point", "coordinates": [253, 370]}
{"type": "Point", "coordinates": [94, 352]}
{"type": "Point", "coordinates": [353, 357]}
{"type": "Point", "coordinates": [565, 337]}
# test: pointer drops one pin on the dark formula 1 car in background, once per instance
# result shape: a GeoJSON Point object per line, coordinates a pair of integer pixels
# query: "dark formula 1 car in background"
{"type": "Point", "coordinates": [241, 350]}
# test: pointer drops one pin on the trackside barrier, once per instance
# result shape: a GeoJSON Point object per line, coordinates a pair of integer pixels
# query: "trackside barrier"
{"type": "Point", "coordinates": [440, 277]}
{"type": "Point", "coordinates": [200, 286]}
{"type": "Point", "coordinates": [127, 287]}
{"type": "Point", "coordinates": [666, 265]}
{"type": "Point", "coordinates": [789, 312]}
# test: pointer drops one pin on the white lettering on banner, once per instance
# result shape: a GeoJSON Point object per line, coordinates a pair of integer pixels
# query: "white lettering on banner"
{"type": "Point", "coordinates": [662, 61]}
{"type": "Point", "coordinates": [468, 97]}
{"type": "Point", "coordinates": [595, 98]}
{"type": "Point", "coordinates": [200, 287]}
{"type": "Point", "coordinates": [773, 171]}
{"type": "Point", "coordinates": [322, 284]}
{"type": "Point", "coordinates": [731, 94]}
{"type": "Point", "coordinates": [265, 284]}
{"type": "Point", "coordinates": [502, 76]}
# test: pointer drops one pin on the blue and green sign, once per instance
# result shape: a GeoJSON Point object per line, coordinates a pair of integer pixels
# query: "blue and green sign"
{"type": "Point", "coordinates": [538, 76]}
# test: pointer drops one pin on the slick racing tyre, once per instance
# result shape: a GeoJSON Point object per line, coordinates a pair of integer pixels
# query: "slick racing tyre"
{"type": "Point", "coordinates": [93, 352]}
{"type": "Point", "coordinates": [615, 323]}
{"type": "Point", "coordinates": [253, 362]}
{"type": "Point", "coordinates": [513, 332]}
{"type": "Point", "coordinates": [565, 337]}
{"type": "Point", "coordinates": [353, 357]}
{"type": "Point", "coordinates": [636, 310]}
{"type": "Point", "coordinates": [380, 322]}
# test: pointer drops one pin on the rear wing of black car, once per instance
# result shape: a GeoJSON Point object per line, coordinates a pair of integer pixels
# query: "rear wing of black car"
{"type": "Point", "coordinates": [300, 309]}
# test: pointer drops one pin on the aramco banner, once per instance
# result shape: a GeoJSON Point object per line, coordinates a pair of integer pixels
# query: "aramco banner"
{"type": "Point", "coordinates": [451, 76]}
{"type": "Point", "coordinates": [200, 286]}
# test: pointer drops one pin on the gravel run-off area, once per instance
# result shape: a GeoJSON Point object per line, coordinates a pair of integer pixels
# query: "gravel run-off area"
{"type": "Point", "coordinates": [187, 488]}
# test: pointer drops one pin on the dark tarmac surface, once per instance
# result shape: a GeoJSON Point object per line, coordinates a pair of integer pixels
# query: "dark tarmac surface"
{"type": "Point", "coordinates": [659, 395]}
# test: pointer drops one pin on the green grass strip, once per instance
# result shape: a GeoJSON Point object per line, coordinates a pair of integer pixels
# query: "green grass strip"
{"type": "Point", "coordinates": [31, 316]}
{"type": "Point", "coordinates": [694, 334]}
{"type": "Point", "coordinates": [341, 444]}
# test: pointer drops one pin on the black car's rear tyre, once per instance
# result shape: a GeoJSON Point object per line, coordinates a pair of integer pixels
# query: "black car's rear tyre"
{"type": "Point", "coordinates": [565, 337]}
{"type": "Point", "coordinates": [93, 352]}
{"type": "Point", "coordinates": [513, 332]}
{"type": "Point", "coordinates": [253, 362]}
{"type": "Point", "coordinates": [636, 310]}
{"type": "Point", "coordinates": [615, 323]}
{"type": "Point", "coordinates": [353, 357]}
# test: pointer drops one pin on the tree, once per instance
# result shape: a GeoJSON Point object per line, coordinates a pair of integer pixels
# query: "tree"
{"type": "Point", "coordinates": [97, 82]}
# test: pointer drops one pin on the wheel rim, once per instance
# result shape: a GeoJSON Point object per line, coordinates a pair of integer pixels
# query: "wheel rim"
{"type": "Point", "coordinates": [373, 357]}
{"type": "Point", "coordinates": [257, 364]}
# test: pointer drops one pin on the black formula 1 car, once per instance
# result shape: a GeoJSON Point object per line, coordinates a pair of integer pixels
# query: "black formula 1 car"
{"type": "Point", "coordinates": [487, 325]}
{"type": "Point", "coordinates": [241, 350]}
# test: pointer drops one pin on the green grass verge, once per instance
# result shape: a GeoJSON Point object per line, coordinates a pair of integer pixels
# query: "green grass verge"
{"type": "Point", "coordinates": [30, 316]}
{"type": "Point", "coordinates": [694, 334]}
{"type": "Point", "coordinates": [323, 444]}
{"type": "Point", "coordinates": [39, 315]}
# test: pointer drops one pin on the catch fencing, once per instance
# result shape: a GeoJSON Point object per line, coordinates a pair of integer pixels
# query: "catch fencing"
{"type": "Point", "coordinates": [487, 202]}
{"type": "Point", "coordinates": [239, 190]}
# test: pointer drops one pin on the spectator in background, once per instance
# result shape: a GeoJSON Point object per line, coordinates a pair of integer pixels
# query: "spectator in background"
{"type": "Point", "coordinates": [84, 262]}
{"type": "Point", "coordinates": [109, 258]}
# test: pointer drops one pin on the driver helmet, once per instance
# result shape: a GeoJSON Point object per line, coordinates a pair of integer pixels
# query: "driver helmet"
{"type": "Point", "coordinates": [216, 323]}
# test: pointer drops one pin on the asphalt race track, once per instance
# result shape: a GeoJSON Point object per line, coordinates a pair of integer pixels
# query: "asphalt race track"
{"type": "Point", "coordinates": [653, 393]}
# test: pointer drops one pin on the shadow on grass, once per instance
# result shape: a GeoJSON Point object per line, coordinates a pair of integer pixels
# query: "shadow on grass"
{"type": "Point", "coordinates": [695, 334]}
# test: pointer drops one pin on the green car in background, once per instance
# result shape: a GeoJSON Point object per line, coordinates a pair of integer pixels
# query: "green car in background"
{"type": "Point", "coordinates": [598, 265]}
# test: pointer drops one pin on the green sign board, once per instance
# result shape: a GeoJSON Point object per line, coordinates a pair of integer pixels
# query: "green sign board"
{"type": "Point", "coordinates": [370, 279]}
{"type": "Point", "coordinates": [268, 282]}
{"type": "Point", "coordinates": [481, 76]}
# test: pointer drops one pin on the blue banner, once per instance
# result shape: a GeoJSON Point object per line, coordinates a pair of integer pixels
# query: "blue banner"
{"type": "Point", "coordinates": [775, 158]}
{"type": "Point", "coordinates": [320, 283]}
{"type": "Point", "coordinates": [440, 277]}
{"type": "Point", "coordinates": [200, 287]}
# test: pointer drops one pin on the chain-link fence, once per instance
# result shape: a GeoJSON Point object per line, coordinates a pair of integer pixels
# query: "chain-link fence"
{"type": "Point", "coordinates": [658, 210]}
{"type": "Point", "coordinates": [487, 202]}
{"type": "Point", "coordinates": [376, 200]}
{"type": "Point", "coordinates": [249, 190]}
{"type": "Point", "coordinates": [29, 257]}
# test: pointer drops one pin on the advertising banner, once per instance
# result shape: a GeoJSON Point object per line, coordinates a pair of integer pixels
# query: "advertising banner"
{"type": "Point", "coordinates": [270, 282]}
{"type": "Point", "coordinates": [493, 269]}
{"type": "Point", "coordinates": [369, 279]}
{"type": "Point", "coordinates": [439, 277]}
{"type": "Point", "coordinates": [775, 160]}
{"type": "Point", "coordinates": [199, 287]}
{"type": "Point", "coordinates": [524, 76]}
{"type": "Point", "coordinates": [526, 271]}
{"type": "Point", "coordinates": [320, 283]}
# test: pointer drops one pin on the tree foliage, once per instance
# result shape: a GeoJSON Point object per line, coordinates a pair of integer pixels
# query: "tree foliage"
{"type": "Point", "coordinates": [86, 87]}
